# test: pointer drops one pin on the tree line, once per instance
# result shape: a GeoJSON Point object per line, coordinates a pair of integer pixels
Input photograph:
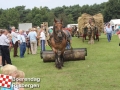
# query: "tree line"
{"type": "Point", "coordinates": [69, 14]}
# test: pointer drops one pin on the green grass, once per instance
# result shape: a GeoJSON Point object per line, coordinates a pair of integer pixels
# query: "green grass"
{"type": "Point", "coordinates": [100, 70]}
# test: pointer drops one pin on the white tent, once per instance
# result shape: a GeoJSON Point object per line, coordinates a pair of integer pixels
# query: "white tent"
{"type": "Point", "coordinates": [114, 21]}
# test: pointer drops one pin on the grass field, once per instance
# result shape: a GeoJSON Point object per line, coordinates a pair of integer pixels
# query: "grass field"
{"type": "Point", "coordinates": [100, 70]}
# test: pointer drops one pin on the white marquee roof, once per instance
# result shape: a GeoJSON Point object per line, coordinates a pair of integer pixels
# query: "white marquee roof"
{"type": "Point", "coordinates": [115, 21]}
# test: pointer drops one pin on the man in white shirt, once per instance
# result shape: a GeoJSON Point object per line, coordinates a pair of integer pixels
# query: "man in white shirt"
{"type": "Point", "coordinates": [15, 41]}
{"type": "Point", "coordinates": [5, 41]}
{"type": "Point", "coordinates": [22, 43]}
{"type": "Point", "coordinates": [109, 32]}
{"type": "Point", "coordinates": [42, 39]}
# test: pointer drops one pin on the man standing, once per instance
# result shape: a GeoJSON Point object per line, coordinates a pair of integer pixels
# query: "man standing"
{"type": "Point", "coordinates": [15, 41]}
{"type": "Point", "coordinates": [5, 41]}
{"type": "Point", "coordinates": [33, 41]}
{"type": "Point", "coordinates": [22, 43]}
{"type": "Point", "coordinates": [109, 32]}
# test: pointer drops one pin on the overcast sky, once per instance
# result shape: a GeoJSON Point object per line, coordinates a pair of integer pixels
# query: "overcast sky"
{"type": "Point", "coordinates": [4, 4]}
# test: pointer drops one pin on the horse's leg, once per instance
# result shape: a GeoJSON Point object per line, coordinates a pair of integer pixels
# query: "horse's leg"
{"type": "Point", "coordinates": [85, 36]}
{"type": "Point", "coordinates": [56, 57]}
{"type": "Point", "coordinates": [62, 58]}
{"type": "Point", "coordinates": [92, 37]}
{"type": "Point", "coordinates": [57, 60]}
{"type": "Point", "coordinates": [89, 39]}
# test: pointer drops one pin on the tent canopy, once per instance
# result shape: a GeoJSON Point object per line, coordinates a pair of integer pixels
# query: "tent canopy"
{"type": "Point", "coordinates": [114, 21]}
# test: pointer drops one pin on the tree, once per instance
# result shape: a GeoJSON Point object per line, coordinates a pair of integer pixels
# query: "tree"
{"type": "Point", "coordinates": [69, 14]}
{"type": "Point", "coordinates": [111, 10]}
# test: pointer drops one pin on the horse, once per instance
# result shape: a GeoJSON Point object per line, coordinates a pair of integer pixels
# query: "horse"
{"type": "Point", "coordinates": [58, 42]}
{"type": "Point", "coordinates": [90, 30]}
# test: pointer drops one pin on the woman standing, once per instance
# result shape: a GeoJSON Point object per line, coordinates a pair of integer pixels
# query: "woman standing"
{"type": "Point", "coordinates": [42, 40]}
{"type": "Point", "coordinates": [109, 32]}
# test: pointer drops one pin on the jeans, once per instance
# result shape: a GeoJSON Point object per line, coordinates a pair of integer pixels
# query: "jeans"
{"type": "Point", "coordinates": [68, 45]}
{"type": "Point", "coordinates": [22, 49]}
{"type": "Point", "coordinates": [109, 36]}
{"type": "Point", "coordinates": [42, 45]}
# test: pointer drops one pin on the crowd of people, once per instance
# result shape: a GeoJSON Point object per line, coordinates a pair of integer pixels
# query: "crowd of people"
{"type": "Point", "coordinates": [22, 39]}
{"type": "Point", "coordinates": [111, 30]}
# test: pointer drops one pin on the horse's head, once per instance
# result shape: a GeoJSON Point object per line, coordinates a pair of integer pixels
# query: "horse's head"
{"type": "Point", "coordinates": [58, 28]}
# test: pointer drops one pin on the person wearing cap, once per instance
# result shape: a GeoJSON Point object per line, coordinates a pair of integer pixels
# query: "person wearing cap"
{"type": "Point", "coordinates": [33, 40]}
{"type": "Point", "coordinates": [109, 32]}
{"type": "Point", "coordinates": [15, 41]}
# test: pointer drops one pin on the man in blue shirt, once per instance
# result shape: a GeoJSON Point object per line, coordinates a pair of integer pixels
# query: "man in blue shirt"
{"type": "Point", "coordinates": [33, 41]}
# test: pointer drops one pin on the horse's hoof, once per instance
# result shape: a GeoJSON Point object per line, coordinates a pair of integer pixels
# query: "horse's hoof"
{"type": "Point", "coordinates": [41, 57]}
{"type": "Point", "coordinates": [59, 67]}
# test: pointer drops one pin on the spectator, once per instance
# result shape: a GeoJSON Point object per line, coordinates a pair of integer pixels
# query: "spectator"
{"type": "Point", "coordinates": [33, 41]}
{"type": "Point", "coordinates": [15, 41]}
{"type": "Point", "coordinates": [113, 30]}
{"type": "Point", "coordinates": [10, 36]}
{"type": "Point", "coordinates": [20, 76]}
{"type": "Point", "coordinates": [42, 40]}
{"type": "Point", "coordinates": [28, 43]}
{"type": "Point", "coordinates": [0, 49]}
{"type": "Point", "coordinates": [119, 27]}
{"type": "Point", "coordinates": [118, 33]}
{"type": "Point", "coordinates": [109, 32]}
{"type": "Point", "coordinates": [22, 43]}
{"type": "Point", "coordinates": [5, 42]}
{"type": "Point", "coordinates": [10, 70]}
{"type": "Point", "coordinates": [116, 28]}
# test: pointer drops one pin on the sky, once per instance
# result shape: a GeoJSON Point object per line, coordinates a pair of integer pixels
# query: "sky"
{"type": "Point", "coordinates": [4, 4]}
